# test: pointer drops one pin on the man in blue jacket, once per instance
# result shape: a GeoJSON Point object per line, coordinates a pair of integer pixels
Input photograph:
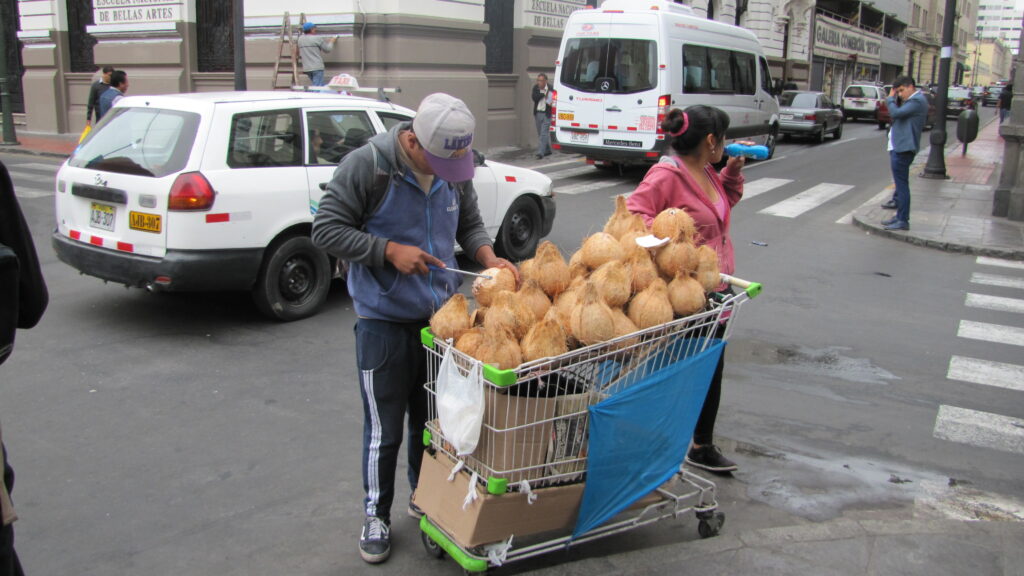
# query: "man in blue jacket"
{"type": "Point", "coordinates": [909, 110]}
{"type": "Point", "coordinates": [394, 210]}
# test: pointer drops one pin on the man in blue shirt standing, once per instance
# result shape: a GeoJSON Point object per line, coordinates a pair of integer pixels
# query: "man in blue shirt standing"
{"type": "Point", "coordinates": [118, 86]}
{"type": "Point", "coordinates": [909, 111]}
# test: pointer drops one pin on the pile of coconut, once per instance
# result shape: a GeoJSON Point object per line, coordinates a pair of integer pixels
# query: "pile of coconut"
{"type": "Point", "coordinates": [610, 288]}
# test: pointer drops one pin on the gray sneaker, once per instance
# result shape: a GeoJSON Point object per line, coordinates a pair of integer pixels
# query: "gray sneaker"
{"type": "Point", "coordinates": [375, 540]}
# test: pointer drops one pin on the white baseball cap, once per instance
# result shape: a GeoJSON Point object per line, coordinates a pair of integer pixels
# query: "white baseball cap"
{"type": "Point", "coordinates": [444, 126]}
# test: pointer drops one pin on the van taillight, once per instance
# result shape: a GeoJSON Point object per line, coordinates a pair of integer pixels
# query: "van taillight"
{"type": "Point", "coordinates": [191, 191]}
{"type": "Point", "coordinates": [663, 102]}
{"type": "Point", "coordinates": [554, 108]}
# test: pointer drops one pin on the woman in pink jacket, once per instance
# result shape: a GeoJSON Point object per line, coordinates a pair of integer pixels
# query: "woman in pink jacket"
{"type": "Point", "coordinates": [685, 178]}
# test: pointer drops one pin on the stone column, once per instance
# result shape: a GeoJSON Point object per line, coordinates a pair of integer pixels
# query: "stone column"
{"type": "Point", "coordinates": [1008, 199]}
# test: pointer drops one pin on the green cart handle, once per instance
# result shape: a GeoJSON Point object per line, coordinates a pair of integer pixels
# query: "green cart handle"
{"type": "Point", "coordinates": [751, 288]}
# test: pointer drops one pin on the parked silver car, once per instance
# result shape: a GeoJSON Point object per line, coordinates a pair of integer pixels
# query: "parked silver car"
{"type": "Point", "coordinates": [807, 113]}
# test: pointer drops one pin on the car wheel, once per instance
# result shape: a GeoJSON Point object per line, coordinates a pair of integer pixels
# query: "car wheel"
{"type": "Point", "coordinates": [881, 125]}
{"type": "Point", "coordinates": [773, 136]}
{"type": "Point", "coordinates": [520, 230]}
{"type": "Point", "coordinates": [819, 136]}
{"type": "Point", "coordinates": [293, 281]}
{"type": "Point", "coordinates": [838, 132]}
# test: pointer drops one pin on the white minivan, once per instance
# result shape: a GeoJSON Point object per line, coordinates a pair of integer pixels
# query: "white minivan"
{"type": "Point", "coordinates": [623, 66]}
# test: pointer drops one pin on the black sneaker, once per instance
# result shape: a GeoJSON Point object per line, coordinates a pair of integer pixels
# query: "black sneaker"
{"type": "Point", "coordinates": [710, 458]}
{"type": "Point", "coordinates": [375, 540]}
{"type": "Point", "coordinates": [414, 510]}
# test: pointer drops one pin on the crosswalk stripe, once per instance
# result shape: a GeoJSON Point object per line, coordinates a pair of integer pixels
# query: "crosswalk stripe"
{"type": "Point", "coordinates": [806, 200]}
{"type": "Point", "coordinates": [989, 261]}
{"type": "Point", "coordinates": [876, 199]}
{"type": "Point", "coordinates": [991, 332]}
{"type": "Point", "coordinates": [570, 172]}
{"type": "Point", "coordinates": [588, 186]}
{"type": "Point", "coordinates": [553, 164]}
{"type": "Point", "coordinates": [28, 193]}
{"type": "Point", "coordinates": [997, 303]}
{"type": "Point", "coordinates": [50, 169]}
{"type": "Point", "coordinates": [986, 372]}
{"type": "Point", "coordinates": [982, 429]}
{"type": "Point", "coordinates": [762, 185]}
{"type": "Point", "coordinates": [997, 280]}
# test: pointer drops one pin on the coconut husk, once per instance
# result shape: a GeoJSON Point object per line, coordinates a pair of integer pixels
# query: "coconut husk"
{"type": "Point", "coordinates": [651, 307]}
{"type": "Point", "coordinates": [507, 311]}
{"type": "Point", "coordinates": [499, 348]}
{"type": "Point", "coordinates": [566, 302]}
{"type": "Point", "coordinates": [534, 298]}
{"type": "Point", "coordinates": [674, 224]}
{"type": "Point", "coordinates": [545, 339]}
{"type": "Point", "coordinates": [623, 221]}
{"type": "Point", "coordinates": [592, 320]}
{"type": "Point", "coordinates": [452, 319]}
{"type": "Point", "coordinates": [642, 270]}
{"type": "Point", "coordinates": [675, 257]}
{"type": "Point", "coordinates": [549, 270]}
{"type": "Point", "coordinates": [686, 295]}
{"type": "Point", "coordinates": [623, 326]}
{"type": "Point", "coordinates": [470, 341]}
{"type": "Point", "coordinates": [707, 272]}
{"type": "Point", "coordinates": [600, 248]}
{"type": "Point", "coordinates": [613, 282]}
{"type": "Point", "coordinates": [485, 289]}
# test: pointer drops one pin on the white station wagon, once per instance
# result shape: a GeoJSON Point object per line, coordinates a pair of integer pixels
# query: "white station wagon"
{"type": "Point", "coordinates": [217, 191]}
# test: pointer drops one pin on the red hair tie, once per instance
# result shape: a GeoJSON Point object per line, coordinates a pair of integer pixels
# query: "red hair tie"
{"type": "Point", "coordinates": [686, 124]}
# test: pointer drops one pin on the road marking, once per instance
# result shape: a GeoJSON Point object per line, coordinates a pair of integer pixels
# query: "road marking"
{"type": "Point", "coordinates": [986, 372]}
{"type": "Point", "coordinates": [997, 303]}
{"type": "Point", "coordinates": [570, 172]}
{"type": "Point", "coordinates": [48, 168]}
{"type": "Point", "coordinates": [762, 185]}
{"type": "Point", "coordinates": [806, 200]}
{"type": "Point", "coordinates": [589, 187]}
{"type": "Point", "coordinates": [997, 280]}
{"type": "Point", "coordinates": [553, 164]}
{"type": "Point", "coordinates": [28, 193]}
{"type": "Point", "coordinates": [982, 429]}
{"type": "Point", "coordinates": [989, 261]}
{"type": "Point", "coordinates": [876, 199]}
{"type": "Point", "coordinates": [991, 333]}
{"type": "Point", "coordinates": [841, 141]}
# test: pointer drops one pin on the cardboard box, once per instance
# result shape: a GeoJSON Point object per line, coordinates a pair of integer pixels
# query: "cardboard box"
{"type": "Point", "coordinates": [491, 518]}
{"type": "Point", "coordinates": [517, 448]}
{"type": "Point", "coordinates": [567, 451]}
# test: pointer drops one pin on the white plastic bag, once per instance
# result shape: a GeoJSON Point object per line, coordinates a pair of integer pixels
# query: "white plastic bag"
{"type": "Point", "coordinates": [460, 402]}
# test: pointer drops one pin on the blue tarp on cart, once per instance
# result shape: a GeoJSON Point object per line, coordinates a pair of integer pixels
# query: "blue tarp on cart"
{"type": "Point", "coordinates": [639, 436]}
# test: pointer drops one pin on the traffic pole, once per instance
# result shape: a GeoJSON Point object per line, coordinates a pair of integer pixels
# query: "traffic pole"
{"type": "Point", "coordinates": [936, 166]}
{"type": "Point", "coordinates": [9, 137]}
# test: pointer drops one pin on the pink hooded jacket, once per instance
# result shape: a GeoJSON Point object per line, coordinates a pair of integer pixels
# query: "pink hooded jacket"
{"type": "Point", "coordinates": [669, 185]}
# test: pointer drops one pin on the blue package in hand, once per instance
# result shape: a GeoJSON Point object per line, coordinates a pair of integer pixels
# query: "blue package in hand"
{"type": "Point", "coordinates": [755, 152]}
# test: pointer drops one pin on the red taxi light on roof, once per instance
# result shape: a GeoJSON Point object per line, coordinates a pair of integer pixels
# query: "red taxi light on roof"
{"type": "Point", "coordinates": [191, 191]}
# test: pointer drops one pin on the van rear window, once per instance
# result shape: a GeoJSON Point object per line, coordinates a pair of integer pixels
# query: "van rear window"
{"type": "Point", "coordinates": [612, 65]}
{"type": "Point", "coordinates": [140, 141]}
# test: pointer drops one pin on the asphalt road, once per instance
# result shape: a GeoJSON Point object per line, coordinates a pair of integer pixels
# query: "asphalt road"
{"type": "Point", "coordinates": [184, 433]}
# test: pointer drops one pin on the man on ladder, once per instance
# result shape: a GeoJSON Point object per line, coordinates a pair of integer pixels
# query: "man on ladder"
{"type": "Point", "coordinates": [311, 50]}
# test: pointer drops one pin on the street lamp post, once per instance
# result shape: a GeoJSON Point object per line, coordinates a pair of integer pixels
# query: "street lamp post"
{"type": "Point", "coordinates": [238, 19]}
{"type": "Point", "coordinates": [1008, 199]}
{"type": "Point", "coordinates": [9, 138]}
{"type": "Point", "coordinates": [936, 166]}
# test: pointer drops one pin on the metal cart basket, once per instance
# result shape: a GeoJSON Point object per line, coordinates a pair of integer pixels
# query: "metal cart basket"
{"type": "Point", "coordinates": [558, 432]}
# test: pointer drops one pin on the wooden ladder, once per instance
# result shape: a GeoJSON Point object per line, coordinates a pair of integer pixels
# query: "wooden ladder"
{"type": "Point", "coordinates": [288, 54]}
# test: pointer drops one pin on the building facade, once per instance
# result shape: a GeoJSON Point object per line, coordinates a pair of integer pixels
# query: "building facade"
{"type": "Point", "coordinates": [989, 60]}
{"type": "Point", "coordinates": [1000, 20]}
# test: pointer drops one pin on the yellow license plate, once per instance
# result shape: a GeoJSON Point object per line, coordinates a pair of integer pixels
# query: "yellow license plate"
{"type": "Point", "coordinates": [144, 222]}
{"type": "Point", "coordinates": [566, 116]}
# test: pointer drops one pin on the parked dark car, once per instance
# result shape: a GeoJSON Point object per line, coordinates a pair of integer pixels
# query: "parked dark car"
{"type": "Point", "coordinates": [883, 117]}
{"type": "Point", "coordinates": [809, 114]}
{"type": "Point", "coordinates": [957, 100]}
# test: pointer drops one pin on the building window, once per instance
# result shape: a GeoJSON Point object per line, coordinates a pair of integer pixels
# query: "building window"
{"type": "Point", "coordinates": [80, 42]}
{"type": "Point", "coordinates": [215, 36]}
{"type": "Point", "coordinates": [10, 20]}
{"type": "Point", "coordinates": [499, 15]}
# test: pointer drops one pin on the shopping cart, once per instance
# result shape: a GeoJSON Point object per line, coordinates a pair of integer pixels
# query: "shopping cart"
{"type": "Point", "coordinates": [575, 447]}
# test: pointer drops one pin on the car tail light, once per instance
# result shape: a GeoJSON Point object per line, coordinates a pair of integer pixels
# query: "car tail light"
{"type": "Point", "coordinates": [190, 191]}
{"type": "Point", "coordinates": [663, 102]}
{"type": "Point", "coordinates": [554, 108]}
{"type": "Point", "coordinates": [810, 117]}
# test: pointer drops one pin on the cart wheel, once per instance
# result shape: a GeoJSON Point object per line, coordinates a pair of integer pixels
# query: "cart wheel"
{"type": "Point", "coordinates": [432, 547]}
{"type": "Point", "coordinates": [711, 526]}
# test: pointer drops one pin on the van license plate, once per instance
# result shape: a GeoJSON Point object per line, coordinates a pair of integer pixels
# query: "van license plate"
{"type": "Point", "coordinates": [579, 137]}
{"type": "Point", "coordinates": [144, 222]}
{"type": "Point", "coordinates": [101, 216]}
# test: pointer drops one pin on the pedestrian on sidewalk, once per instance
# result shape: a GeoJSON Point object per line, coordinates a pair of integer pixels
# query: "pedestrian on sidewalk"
{"type": "Point", "coordinates": [95, 91]}
{"type": "Point", "coordinates": [909, 111]}
{"type": "Point", "coordinates": [686, 178]}
{"type": "Point", "coordinates": [398, 234]}
{"type": "Point", "coordinates": [116, 91]}
{"type": "Point", "coordinates": [1004, 102]}
{"type": "Point", "coordinates": [312, 49]}
{"type": "Point", "coordinates": [24, 300]}
{"type": "Point", "coordinates": [542, 99]}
